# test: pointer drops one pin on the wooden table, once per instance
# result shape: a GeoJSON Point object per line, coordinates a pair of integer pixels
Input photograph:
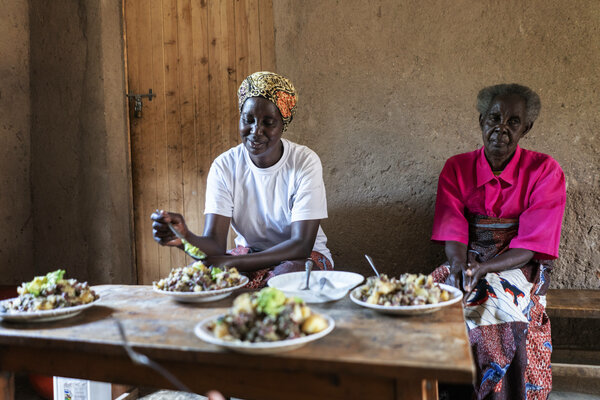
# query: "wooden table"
{"type": "Point", "coordinates": [368, 355]}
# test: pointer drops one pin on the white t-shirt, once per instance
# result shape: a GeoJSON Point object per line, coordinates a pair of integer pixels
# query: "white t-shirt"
{"type": "Point", "coordinates": [263, 202]}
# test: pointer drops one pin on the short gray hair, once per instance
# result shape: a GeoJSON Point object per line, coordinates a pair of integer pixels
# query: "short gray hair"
{"type": "Point", "coordinates": [488, 94]}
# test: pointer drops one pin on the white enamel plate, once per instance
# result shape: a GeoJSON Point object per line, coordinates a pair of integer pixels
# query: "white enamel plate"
{"type": "Point", "coordinates": [44, 315]}
{"type": "Point", "coordinates": [205, 296]}
{"type": "Point", "coordinates": [456, 296]}
{"type": "Point", "coordinates": [279, 346]}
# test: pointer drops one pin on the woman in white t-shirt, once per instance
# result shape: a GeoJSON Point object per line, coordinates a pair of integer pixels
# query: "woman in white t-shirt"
{"type": "Point", "coordinates": [269, 189]}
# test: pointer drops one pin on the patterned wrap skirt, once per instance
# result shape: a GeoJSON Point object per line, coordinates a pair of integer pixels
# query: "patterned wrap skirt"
{"type": "Point", "coordinates": [258, 279]}
{"type": "Point", "coordinates": [506, 319]}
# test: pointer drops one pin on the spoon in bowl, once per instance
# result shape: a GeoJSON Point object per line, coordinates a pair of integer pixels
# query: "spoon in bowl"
{"type": "Point", "coordinates": [308, 267]}
{"type": "Point", "coordinates": [370, 260]}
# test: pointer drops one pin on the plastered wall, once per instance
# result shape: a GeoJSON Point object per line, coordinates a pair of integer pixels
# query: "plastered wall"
{"type": "Point", "coordinates": [387, 93]}
{"type": "Point", "coordinates": [16, 255]}
{"type": "Point", "coordinates": [79, 153]}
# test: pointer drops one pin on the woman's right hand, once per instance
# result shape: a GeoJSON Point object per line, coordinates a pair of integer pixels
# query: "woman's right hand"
{"type": "Point", "coordinates": [161, 231]}
{"type": "Point", "coordinates": [457, 260]}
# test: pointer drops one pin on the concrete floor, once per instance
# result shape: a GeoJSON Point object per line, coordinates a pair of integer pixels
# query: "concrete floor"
{"type": "Point", "coordinates": [25, 392]}
{"type": "Point", "coordinates": [166, 395]}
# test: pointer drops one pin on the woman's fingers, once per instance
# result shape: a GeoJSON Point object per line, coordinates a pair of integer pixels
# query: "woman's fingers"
{"type": "Point", "coordinates": [214, 395]}
{"type": "Point", "coordinates": [160, 228]}
{"type": "Point", "coordinates": [160, 215]}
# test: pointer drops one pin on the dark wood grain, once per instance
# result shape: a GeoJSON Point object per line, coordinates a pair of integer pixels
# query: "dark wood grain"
{"type": "Point", "coordinates": [366, 353]}
{"type": "Point", "coordinates": [573, 303]}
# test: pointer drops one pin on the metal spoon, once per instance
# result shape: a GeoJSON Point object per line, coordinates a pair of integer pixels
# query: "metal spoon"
{"type": "Point", "coordinates": [308, 267]}
{"type": "Point", "coordinates": [324, 281]}
{"type": "Point", "coordinates": [370, 260]}
{"type": "Point", "coordinates": [187, 244]}
{"type": "Point", "coordinates": [176, 232]}
{"type": "Point", "coordinates": [142, 359]}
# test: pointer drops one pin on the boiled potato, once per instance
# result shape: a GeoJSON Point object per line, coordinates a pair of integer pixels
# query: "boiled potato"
{"type": "Point", "coordinates": [313, 324]}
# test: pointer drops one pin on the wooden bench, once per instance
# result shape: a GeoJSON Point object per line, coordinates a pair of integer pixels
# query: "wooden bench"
{"type": "Point", "coordinates": [574, 368]}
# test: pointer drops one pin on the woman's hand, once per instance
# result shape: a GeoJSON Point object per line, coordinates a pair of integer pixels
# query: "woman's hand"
{"type": "Point", "coordinates": [474, 272]}
{"type": "Point", "coordinates": [161, 231]}
{"type": "Point", "coordinates": [457, 275]}
{"type": "Point", "coordinates": [457, 258]}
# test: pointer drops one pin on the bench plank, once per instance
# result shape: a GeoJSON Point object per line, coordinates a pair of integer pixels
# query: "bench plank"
{"type": "Point", "coordinates": [573, 303]}
{"type": "Point", "coordinates": [576, 378]}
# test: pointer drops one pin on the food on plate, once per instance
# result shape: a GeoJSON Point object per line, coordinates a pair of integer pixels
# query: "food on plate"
{"type": "Point", "coordinates": [406, 290]}
{"type": "Point", "coordinates": [197, 277]}
{"type": "Point", "coordinates": [49, 292]}
{"type": "Point", "coordinates": [267, 316]}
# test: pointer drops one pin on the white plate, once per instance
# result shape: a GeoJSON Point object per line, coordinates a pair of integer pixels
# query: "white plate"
{"type": "Point", "coordinates": [342, 282]}
{"type": "Point", "coordinates": [412, 310]}
{"type": "Point", "coordinates": [262, 347]}
{"type": "Point", "coordinates": [45, 315]}
{"type": "Point", "coordinates": [201, 297]}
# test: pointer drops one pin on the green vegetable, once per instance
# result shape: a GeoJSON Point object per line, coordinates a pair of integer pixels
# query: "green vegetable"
{"type": "Point", "coordinates": [270, 301]}
{"type": "Point", "coordinates": [193, 250]}
{"type": "Point", "coordinates": [39, 283]}
{"type": "Point", "coordinates": [215, 271]}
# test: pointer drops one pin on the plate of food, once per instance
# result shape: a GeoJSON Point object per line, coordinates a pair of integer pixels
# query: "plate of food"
{"type": "Point", "coordinates": [323, 286]}
{"type": "Point", "coordinates": [198, 283]}
{"type": "Point", "coordinates": [409, 294]}
{"type": "Point", "coordinates": [265, 322]}
{"type": "Point", "coordinates": [48, 298]}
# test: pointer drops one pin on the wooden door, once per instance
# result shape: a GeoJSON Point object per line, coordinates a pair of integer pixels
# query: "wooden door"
{"type": "Point", "coordinates": [193, 54]}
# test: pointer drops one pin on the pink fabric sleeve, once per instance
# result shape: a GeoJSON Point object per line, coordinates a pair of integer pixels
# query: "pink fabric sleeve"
{"type": "Point", "coordinates": [449, 222]}
{"type": "Point", "coordinates": [540, 223]}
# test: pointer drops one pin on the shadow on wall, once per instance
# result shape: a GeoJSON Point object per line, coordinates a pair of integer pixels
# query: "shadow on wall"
{"type": "Point", "coordinates": [396, 236]}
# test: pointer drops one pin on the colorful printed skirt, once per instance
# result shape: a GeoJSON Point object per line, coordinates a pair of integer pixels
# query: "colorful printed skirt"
{"type": "Point", "coordinates": [258, 279]}
{"type": "Point", "coordinates": [506, 320]}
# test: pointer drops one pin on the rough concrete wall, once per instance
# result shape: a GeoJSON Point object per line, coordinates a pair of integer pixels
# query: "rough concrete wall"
{"type": "Point", "coordinates": [16, 256]}
{"type": "Point", "coordinates": [387, 92]}
{"type": "Point", "coordinates": [81, 187]}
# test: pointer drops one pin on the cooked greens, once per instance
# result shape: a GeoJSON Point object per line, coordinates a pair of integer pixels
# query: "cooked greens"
{"type": "Point", "coordinates": [192, 250]}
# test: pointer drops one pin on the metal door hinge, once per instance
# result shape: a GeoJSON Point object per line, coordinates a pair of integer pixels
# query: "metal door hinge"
{"type": "Point", "coordinates": [137, 105]}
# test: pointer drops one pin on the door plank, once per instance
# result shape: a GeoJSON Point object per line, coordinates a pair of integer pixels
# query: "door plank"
{"type": "Point", "coordinates": [187, 122]}
{"type": "Point", "coordinates": [159, 142]}
{"type": "Point", "coordinates": [232, 84]}
{"type": "Point", "coordinates": [254, 57]}
{"type": "Point", "coordinates": [214, 80]}
{"type": "Point", "coordinates": [173, 118]}
{"type": "Point", "coordinates": [267, 35]}
{"type": "Point", "coordinates": [201, 105]}
{"type": "Point", "coordinates": [144, 183]}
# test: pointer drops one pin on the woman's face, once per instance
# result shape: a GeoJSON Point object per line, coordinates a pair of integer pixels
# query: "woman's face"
{"type": "Point", "coordinates": [261, 127]}
{"type": "Point", "coordinates": [503, 126]}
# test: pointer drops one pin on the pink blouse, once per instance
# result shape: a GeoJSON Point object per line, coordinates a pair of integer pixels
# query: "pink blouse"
{"type": "Point", "coordinates": [531, 188]}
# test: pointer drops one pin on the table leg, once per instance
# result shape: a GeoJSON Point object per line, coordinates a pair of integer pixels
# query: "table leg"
{"type": "Point", "coordinates": [7, 385]}
{"type": "Point", "coordinates": [416, 389]}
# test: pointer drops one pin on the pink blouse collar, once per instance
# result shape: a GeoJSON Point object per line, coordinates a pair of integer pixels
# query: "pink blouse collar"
{"type": "Point", "coordinates": [485, 174]}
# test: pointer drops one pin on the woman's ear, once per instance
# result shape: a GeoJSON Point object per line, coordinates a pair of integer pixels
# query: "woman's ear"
{"type": "Point", "coordinates": [527, 129]}
{"type": "Point", "coordinates": [481, 120]}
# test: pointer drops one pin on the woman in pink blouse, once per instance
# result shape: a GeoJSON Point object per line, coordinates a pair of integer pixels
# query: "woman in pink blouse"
{"type": "Point", "coordinates": [498, 213]}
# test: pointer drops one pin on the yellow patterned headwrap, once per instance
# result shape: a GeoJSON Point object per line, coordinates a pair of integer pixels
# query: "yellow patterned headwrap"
{"type": "Point", "coordinates": [274, 88]}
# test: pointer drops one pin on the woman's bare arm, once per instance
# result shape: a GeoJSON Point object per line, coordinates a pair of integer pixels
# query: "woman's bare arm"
{"type": "Point", "coordinates": [298, 246]}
